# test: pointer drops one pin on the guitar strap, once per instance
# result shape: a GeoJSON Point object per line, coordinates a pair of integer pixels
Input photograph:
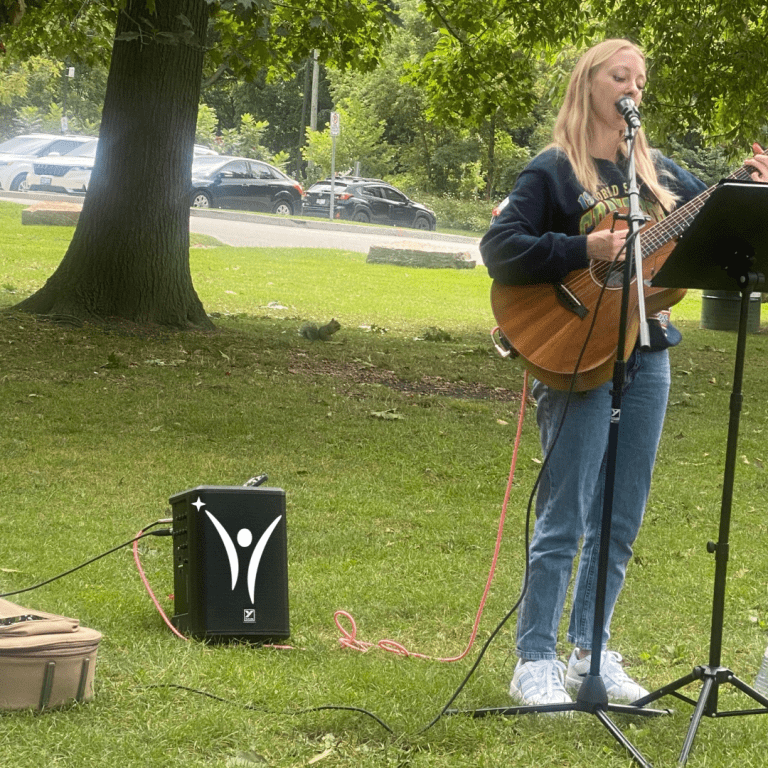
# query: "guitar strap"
{"type": "Point", "coordinates": [662, 333]}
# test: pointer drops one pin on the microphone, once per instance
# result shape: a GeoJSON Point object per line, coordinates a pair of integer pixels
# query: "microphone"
{"type": "Point", "coordinates": [627, 109]}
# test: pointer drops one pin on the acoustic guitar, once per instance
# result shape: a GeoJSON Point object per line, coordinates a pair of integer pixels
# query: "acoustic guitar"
{"type": "Point", "coordinates": [551, 325]}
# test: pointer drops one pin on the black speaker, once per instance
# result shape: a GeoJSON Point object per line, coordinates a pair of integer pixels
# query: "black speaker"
{"type": "Point", "coordinates": [230, 563]}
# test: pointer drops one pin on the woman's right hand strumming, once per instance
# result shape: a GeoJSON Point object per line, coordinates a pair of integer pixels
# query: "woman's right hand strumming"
{"type": "Point", "coordinates": [605, 244]}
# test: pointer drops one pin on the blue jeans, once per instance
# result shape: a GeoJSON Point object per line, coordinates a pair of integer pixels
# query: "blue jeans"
{"type": "Point", "coordinates": [569, 503]}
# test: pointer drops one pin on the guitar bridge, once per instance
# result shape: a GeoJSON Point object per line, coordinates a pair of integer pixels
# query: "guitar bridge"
{"type": "Point", "coordinates": [569, 301]}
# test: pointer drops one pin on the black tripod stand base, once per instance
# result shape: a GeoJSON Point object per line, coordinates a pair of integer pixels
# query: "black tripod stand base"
{"type": "Point", "coordinates": [572, 706]}
{"type": "Point", "coordinates": [706, 705]}
{"type": "Point", "coordinates": [725, 244]}
{"type": "Point", "coordinates": [598, 710]}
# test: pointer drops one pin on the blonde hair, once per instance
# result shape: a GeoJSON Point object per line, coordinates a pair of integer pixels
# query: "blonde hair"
{"type": "Point", "coordinates": [572, 132]}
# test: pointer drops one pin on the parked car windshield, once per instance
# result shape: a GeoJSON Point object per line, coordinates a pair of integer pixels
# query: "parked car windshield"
{"type": "Point", "coordinates": [325, 186]}
{"type": "Point", "coordinates": [207, 165]}
{"type": "Point", "coordinates": [84, 150]}
{"type": "Point", "coordinates": [25, 145]}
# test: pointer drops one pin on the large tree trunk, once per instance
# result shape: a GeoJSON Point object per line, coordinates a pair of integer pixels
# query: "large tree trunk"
{"type": "Point", "coordinates": [129, 257]}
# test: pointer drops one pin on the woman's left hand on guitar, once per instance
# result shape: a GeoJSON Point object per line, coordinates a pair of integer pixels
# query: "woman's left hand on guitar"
{"type": "Point", "coordinates": [758, 165]}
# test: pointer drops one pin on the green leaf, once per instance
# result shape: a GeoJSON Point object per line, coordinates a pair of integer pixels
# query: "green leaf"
{"type": "Point", "coordinates": [388, 415]}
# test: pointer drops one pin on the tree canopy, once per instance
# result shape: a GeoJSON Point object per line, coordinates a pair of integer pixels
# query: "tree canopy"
{"type": "Point", "coordinates": [466, 75]}
{"type": "Point", "coordinates": [707, 60]}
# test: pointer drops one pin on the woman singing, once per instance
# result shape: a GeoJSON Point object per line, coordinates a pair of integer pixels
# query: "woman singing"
{"type": "Point", "coordinates": [548, 229]}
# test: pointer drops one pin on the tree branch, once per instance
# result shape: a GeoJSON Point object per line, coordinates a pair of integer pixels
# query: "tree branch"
{"type": "Point", "coordinates": [438, 12]}
{"type": "Point", "coordinates": [216, 76]}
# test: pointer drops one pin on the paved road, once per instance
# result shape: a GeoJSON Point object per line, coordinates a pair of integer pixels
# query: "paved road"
{"type": "Point", "coordinates": [242, 229]}
{"type": "Point", "coordinates": [267, 231]}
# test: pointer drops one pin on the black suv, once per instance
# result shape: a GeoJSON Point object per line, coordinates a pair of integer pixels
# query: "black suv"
{"type": "Point", "coordinates": [367, 200]}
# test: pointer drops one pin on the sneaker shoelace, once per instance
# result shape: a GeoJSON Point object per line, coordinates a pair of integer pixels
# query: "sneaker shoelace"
{"type": "Point", "coordinates": [550, 676]}
{"type": "Point", "coordinates": [612, 661]}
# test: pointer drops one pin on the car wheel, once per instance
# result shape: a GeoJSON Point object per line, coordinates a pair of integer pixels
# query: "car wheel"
{"type": "Point", "coordinates": [283, 208]}
{"type": "Point", "coordinates": [201, 200]}
{"type": "Point", "coordinates": [422, 223]}
{"type": "Point", "coordinates": [20, 183]}
{"type": "Point", "coordinates": [361, 216]}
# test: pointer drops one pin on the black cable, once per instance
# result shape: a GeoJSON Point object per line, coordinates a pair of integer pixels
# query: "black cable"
{"type": "Point", "coordinates": [254, 708]}
{"type": "Point", "coordinates": [164, 532]}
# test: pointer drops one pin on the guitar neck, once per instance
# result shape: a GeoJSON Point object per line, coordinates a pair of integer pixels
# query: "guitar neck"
{"type": "Point", "coordinates": [680, 219]}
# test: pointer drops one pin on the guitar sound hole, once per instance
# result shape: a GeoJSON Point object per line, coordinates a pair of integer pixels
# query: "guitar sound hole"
{"type": "Point", "coordinates": [612, 276]}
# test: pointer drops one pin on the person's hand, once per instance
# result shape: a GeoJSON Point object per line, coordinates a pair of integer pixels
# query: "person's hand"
{"type": "Point", "coordinates": [604, 244]}
{"type": "Point", "coordinates": [758, 165]}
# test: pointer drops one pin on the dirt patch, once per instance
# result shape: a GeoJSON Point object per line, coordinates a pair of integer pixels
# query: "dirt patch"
{"type": "Point", "coordinates": [356, 373]}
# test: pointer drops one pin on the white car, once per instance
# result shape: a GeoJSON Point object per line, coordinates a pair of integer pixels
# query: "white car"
{"type": "Point", "coordinates": [71, 172]}
{"type": "Point", "coordinates": [67, 173]}
{"type": "Point", "coordinates": [17, 155]}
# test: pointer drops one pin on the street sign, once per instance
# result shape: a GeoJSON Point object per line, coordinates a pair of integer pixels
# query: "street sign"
{"type": "Point", "coordinates": [335, 124]}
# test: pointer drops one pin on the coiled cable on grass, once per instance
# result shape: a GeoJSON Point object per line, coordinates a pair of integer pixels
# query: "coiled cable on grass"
{"type": "Point", "coordinates": [349, 638]}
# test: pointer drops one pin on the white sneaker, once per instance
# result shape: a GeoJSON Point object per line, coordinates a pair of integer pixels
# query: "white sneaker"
{"type": "Point", "coordinates": [539, 682]}
{"type": "Point", "coordinates": [619, 686]}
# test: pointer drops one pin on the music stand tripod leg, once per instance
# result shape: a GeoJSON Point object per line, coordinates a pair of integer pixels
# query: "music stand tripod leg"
{"type": "Point", "coordinates": [714, 675]}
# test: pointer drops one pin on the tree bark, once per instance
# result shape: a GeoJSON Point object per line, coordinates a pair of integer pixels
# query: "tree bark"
{"type": "Point", "coordinates": [129, 257]}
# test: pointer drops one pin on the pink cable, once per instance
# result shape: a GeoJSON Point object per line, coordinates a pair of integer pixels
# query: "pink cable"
{"type": "Point", "coordinates": [149, 589]}
{"type": "Point", "coordinates": [349, 638]}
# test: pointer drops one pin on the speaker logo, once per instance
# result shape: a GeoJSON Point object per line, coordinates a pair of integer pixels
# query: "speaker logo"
{"type": "Point", "coordinates": [244, 539]}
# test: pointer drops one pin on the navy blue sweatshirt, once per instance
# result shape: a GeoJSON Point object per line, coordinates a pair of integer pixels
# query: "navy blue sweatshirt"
{"type": "Point", "coordinates": [541, 235]}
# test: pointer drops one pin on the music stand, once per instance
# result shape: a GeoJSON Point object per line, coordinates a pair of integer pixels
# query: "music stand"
{"type": "Point", "coordinates": [726, 246]}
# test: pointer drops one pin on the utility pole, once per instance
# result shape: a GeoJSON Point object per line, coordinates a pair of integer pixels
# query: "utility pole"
{"type": "Point", "coordinates": [304, 109]}
{"type": "Point", "coordinates": [67, 75]}
{"type": "Point", "coordinates": [315, 85]}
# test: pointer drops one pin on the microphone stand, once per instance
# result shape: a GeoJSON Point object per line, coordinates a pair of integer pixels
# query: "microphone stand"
{"type": "Point", "coordinates": [637, 220]}
{"type": "Point", "coordinates": [592, 693]}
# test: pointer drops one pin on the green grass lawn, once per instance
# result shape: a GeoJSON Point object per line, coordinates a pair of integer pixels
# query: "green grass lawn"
{"type": "Point", "coordinates": [393, 444]}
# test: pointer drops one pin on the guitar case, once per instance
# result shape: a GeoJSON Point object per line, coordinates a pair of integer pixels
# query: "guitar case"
{"type": "Point", "coordinates": [46, 660]}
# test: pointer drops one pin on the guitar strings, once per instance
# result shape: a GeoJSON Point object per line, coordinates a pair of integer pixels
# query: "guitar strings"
{"type": "Point", "coordinates": [654, 238]}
